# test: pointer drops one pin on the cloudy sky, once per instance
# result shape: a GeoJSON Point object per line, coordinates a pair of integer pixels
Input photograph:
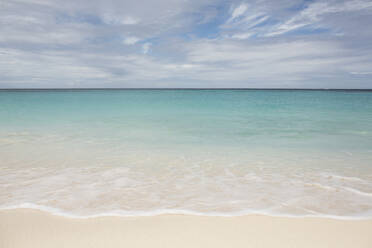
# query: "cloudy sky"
{"type": "Point", "coordinates": [186, 43]}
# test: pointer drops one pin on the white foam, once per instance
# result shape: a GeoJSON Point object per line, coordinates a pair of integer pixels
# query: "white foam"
{"type": "Point", "coordinates": [202, 187]}
{"type": "Point", "coordinates": [358, 192]}
{"type": "Point", "coordinates": [158, 212]}
{"type": "Point", "coordinates": [356, 179]}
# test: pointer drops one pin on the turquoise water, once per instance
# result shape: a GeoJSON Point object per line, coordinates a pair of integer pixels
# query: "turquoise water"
{"type": "Point", "coordinates": [221, 152]}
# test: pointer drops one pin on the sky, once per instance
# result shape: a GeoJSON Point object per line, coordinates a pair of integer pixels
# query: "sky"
{"type": "Point", "coordinates": [186, 43]}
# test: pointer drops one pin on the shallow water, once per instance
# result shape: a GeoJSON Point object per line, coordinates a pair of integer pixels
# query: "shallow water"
{"type": "Point", "coordinates": [213, 152]}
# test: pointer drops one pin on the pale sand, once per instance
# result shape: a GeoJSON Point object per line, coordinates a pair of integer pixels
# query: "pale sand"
{"type": "Point", "coordinates": [32, 228]}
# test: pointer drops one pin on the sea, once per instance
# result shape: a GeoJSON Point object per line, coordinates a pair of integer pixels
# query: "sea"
{"type": "Point", "coordinates": [226, 152]}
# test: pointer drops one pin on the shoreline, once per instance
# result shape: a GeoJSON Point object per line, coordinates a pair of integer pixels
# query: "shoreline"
{"type": "Point", "coordinates": [36, 228]}
{"type": "Point", "coordinates": [161, 212]}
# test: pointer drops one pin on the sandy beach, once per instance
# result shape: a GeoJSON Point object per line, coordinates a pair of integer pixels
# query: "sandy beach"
{"type": "Point", "coordinates": [33, 228]}
{"type": "Point", "coordinates": [185, 124]}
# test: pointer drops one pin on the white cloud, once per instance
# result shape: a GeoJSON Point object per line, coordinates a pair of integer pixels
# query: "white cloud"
{"type": "Point", "coordinates": [257, 21]}
{"type": "Point", "coordinates": [128, 20]}
{"type": "Point", "coordinates": [219, 62]}
{"type": "Point", "coordinates": [24, 66]}
{"type": "Point", "coordinates": [131, 40]}
{"type": "Point", "coordinates": [242, 36]}
{"type": "Point", "coordinates": [273, 63]}
{"type": "Point", "coordinates": [243, 22]}
{"type": "Point", "coordinates": [43, 42]}
{"type": "Point", "coordinates": [146, 47]}
{"type": "Point", "coordinates": [361, 72]}
{"type": "Point", "coordinates": [316, 11]}
{"type": "Point", "coordinates": [112, 19]}
{"type": "Point", "coordinates": [238, 11]}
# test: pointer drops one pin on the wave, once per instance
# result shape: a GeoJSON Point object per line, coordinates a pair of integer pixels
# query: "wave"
{"type": "Point", "coordinates": [158, 212]}
{"type": "Point", "coordinates": [358, 192]}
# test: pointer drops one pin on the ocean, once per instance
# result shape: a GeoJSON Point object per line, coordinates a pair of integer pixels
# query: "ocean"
{"type": "Point", "coordinates": [84, 153]}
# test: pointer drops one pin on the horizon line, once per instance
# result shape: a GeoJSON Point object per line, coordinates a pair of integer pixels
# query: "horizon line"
{"type": "Point", "coordinates": [191, 88]}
